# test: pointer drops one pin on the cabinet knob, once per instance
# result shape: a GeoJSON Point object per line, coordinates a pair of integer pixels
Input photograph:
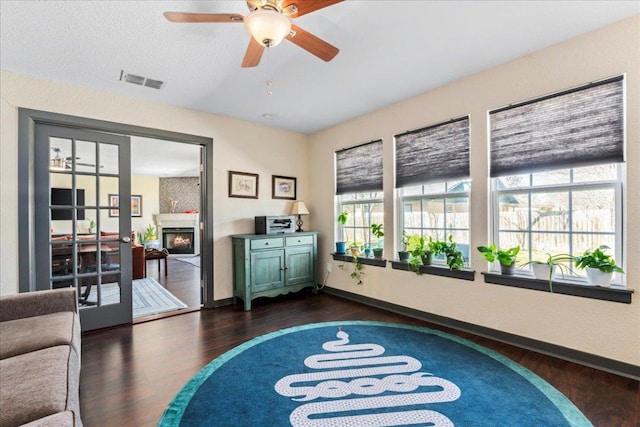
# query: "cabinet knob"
{"type": "Point", "coordinates": [266, 243]}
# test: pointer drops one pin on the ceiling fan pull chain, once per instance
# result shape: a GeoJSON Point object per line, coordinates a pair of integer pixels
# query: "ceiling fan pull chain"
{"type": "Point", "coordinates": [268, 82]}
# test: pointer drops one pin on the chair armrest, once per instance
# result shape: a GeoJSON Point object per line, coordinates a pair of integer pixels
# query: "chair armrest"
{"type": "Point", "coordinates": [37, 303]}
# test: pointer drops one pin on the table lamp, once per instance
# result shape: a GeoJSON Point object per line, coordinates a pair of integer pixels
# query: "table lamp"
{"type": "Point", "coordinates": [299, 208]}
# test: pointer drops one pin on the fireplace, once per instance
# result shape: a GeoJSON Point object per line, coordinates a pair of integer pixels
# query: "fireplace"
{"type": "Point", "coordinates": [183, 227]}
{"type": "Point", "coordinates": [178, 240]}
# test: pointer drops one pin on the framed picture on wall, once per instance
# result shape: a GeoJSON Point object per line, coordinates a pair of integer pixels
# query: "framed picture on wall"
{"type": "Point", "coordinates": [283, 187]}
{"type": "Point", "coordinates": [136, 205]}
{"type": "Point", "coordinates": [243, 184]}
{"type": "Point", "coordinates": [114, 200]}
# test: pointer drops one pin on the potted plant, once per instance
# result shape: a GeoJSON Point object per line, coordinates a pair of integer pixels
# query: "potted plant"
{"type": "Point", "coordinates": [92, 226]}
{"type": "Point", "coordinates": [506, 257]}
{"type": "Point", "coordinates": [448, 248]}
{"type": "Point", "coordinates": [341, 247]}
{"type": "Point", "coordinates": [545, 270]}
{"type": "Point", "coordinates": [598, 265]}
{"type": "Point", "coordinates": [420, 254]}
{"type": "Point", "coordinates": [151, 237]}
{"type": "Point", "coordinates": [403, 254]}
{"type": "Point", "coordinates": [376, 230]}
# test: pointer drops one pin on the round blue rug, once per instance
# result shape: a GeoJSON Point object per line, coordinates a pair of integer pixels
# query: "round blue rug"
{"type": "Point", "coordinates": [358, 373]}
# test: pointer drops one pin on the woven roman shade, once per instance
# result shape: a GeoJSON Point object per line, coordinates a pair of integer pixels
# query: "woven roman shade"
{"type": "Point", "coordinates": [359, 168]}
{"type": "Point", "coordinates": [578, 127]}
{"type": "Point", "coordinates": [434, 153]}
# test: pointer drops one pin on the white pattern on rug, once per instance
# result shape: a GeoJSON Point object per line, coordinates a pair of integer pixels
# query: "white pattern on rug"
{"type": "Point", "coordinates": [149, 297]}
{"type": "Point", "coordinates": [193, 260]}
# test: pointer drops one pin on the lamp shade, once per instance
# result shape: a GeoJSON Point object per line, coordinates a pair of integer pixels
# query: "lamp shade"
{"type": "Point", "coordinates": [268, 27]}
{"type": "Point", "coordinates": [299, 208]}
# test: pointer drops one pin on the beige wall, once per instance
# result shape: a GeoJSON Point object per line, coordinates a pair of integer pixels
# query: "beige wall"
{"type": "Point", "coordinates": [238, 145]}
{"type": "Point", "coordinates": [604, 328]}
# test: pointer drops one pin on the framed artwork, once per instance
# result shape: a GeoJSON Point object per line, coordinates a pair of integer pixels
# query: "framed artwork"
{"type": "Point", "coordinates": [283, 187]}
{"type": "Point", "coordinates": [136, 205]}
{"type": "Point", "coordinates": [243, 185]}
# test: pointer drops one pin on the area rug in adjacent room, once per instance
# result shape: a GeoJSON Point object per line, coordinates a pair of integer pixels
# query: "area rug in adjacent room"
{"type": "Point", "coordinates": [193, 260]}
{"type": "Point", "coordinates": [149, 297]}
{"type": "Point", "coordinates": [367, 374]}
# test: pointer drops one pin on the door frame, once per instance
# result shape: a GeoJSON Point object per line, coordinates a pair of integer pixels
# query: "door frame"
{"type": "Point", "coordinates": [27, 119]}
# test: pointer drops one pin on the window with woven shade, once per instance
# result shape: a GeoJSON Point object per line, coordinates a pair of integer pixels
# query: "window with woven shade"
{"type": "Point", "coordinates": [557, 172]}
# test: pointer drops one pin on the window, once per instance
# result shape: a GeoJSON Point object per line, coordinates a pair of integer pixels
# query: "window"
{"type": "Point", "coordinates": [359, 192]}
{"type": "Point", "coordinates": [562, 211]}
{"type": "Point", "coordinates": [364, 209]}
{"type": "Point", "coordinates": [556, 172]}
{"type": "Point", "coordinates": [432, 181]}
{"type": "Point", "coordinates": [438, 211]}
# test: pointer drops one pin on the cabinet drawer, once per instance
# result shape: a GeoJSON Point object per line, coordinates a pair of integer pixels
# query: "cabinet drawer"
{"type": "Point", "coordinates": [299, 240]}
{"type": "Point", "coordinates": [276, 242]}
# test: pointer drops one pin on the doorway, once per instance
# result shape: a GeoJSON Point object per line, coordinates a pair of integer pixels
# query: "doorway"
{"type": "Point", "coordinates": [31, 187]}
{"type": "Point", "coordinates": [166, 174]}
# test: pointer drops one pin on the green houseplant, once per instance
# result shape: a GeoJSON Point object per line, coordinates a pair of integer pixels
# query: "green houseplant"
{"type": "Point", "coordinates": [598, 266]}
{"type": "Point", "coordinates": [448, 248]}
{"type": "Point", "coordinates": [506, 257]}
{"type": "Point", "coordinates": [421, 253]}
{"type": "Point", "coordinates": [92, 226]}
{"type": "Point", "coordinates": [545, 270]}
{"type": "Point", "coordinates": [403, 254]}
{"type": "Point", "coordinates": [341, 247]}
{"type": "Point", "coordinates": [376, 230]}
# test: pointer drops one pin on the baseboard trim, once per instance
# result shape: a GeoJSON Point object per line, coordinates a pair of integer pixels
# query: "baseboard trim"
{"type": "Point", "coordinates": [222, 302]}
{"type": "Point", "coordinates": [593, 361]}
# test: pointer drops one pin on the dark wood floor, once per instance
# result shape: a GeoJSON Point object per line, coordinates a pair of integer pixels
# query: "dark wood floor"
{"type": "Point", "coordinates": [130, 374]}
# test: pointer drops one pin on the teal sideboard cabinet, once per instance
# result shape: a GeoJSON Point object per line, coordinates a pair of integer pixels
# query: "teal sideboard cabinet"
{"type": "Point", "coordinates": [267, 265]}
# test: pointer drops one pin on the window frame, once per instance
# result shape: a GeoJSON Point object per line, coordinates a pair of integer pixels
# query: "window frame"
{"type": "Point", "coordinates": [340, 205]}
{"type": "Point", "coordinates": [617, 185]}
{"type": "Point", "coordinates": [442, 195]}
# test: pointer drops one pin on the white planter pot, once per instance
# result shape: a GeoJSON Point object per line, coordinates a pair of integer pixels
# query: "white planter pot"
{"type": "Point", "coordinates": [596, 277]}
{"type": "Point", "coordinates": [543, 271]}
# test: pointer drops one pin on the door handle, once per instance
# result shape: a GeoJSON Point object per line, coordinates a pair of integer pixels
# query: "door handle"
{"type": "Point", "coordinates": [126, 239]}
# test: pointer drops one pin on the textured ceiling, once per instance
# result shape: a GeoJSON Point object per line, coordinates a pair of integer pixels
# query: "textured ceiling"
{"type": "Point", "coordinates": [389, 51]}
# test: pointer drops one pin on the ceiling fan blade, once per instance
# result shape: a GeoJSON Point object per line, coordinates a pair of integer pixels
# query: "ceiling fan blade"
{"type": "Point", "coordinates": [302, 7]}
{"type": "Point", "coordinates": [253, 54]}
{"type": "Point", "coordinates": [312, 44]}
{"type": "Point", "coordinates": [203, 17]}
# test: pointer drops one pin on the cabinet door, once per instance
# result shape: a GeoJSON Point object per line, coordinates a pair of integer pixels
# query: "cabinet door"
{"type": "Point", "coordinates": [299, 265]}
{"type": "Point", "coordinates": [267, 270]}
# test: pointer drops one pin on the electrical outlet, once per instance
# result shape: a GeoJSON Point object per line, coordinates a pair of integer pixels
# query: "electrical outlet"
{"type": "Point", "coordinates": [328, 267]}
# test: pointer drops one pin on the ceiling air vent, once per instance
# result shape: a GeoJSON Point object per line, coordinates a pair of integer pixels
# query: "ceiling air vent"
{"type": "Point", "coordinates": [139, 80]}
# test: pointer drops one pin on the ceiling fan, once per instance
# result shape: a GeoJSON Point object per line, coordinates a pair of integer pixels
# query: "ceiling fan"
{"type": "Point", "coordinates": [269, 22]}
{"type": "Point", "coordinates": [64, 163]}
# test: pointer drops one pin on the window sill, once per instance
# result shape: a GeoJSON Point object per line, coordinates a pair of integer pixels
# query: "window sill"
{"type": "Point", "coordinates": [559, 287]}
{"type": "Point", "coordinates": [376, 262]}
{"type": "Point", "coordinates": [436, 271]}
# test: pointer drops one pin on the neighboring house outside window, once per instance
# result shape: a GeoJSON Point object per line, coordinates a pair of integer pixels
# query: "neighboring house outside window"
{"type": "Point", "coordinates": [432, 183]}
{"type": "Point", "coordinates": [557, 173]}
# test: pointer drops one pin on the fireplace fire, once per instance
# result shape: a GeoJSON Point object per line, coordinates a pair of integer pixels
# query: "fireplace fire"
{"type": "Point", "coordinates": [178, 240]}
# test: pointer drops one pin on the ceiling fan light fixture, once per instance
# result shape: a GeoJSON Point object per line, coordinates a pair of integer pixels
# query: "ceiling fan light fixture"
{"type": "Point", "coordinates": [267, 27]}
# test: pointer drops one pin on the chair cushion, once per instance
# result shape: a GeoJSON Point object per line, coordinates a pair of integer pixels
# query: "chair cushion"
{"type": "Point", "coordinates": [38, 384]}
{"type": "Point", "coordinates": [22, 336]}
